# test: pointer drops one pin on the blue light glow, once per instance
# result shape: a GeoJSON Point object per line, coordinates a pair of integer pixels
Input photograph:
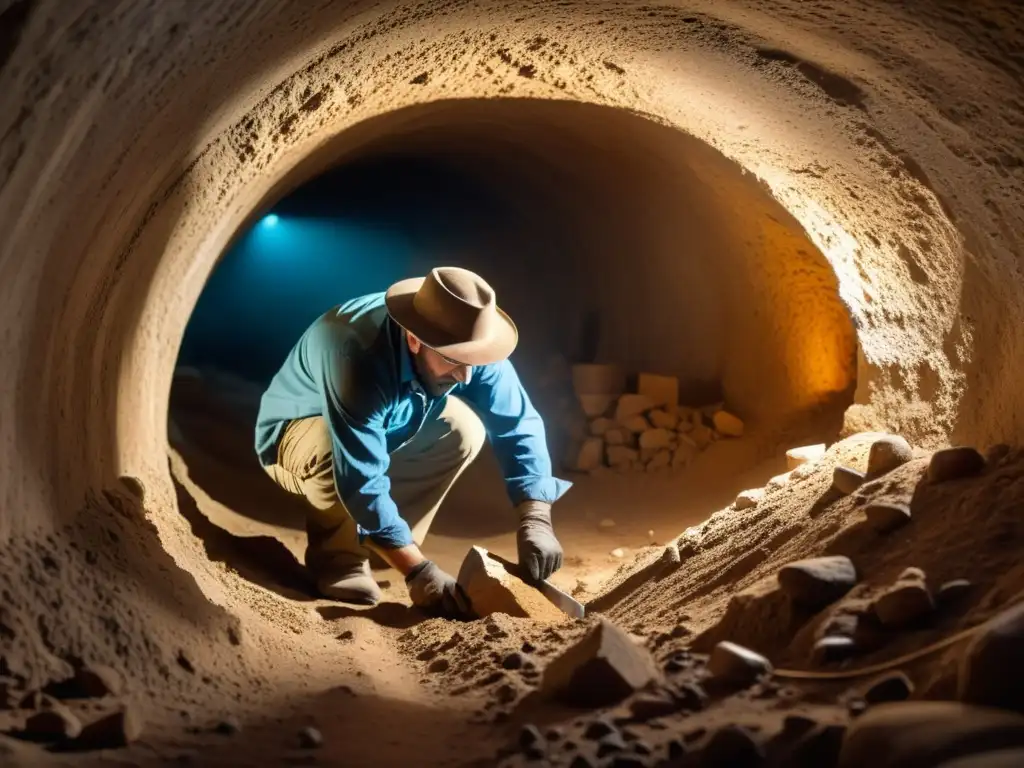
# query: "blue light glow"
{"type": "Point", "coordinates": [270, 220]}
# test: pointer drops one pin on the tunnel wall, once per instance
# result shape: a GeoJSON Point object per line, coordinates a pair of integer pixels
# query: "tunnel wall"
{"type": "Point", "coordinates": [137, 139]}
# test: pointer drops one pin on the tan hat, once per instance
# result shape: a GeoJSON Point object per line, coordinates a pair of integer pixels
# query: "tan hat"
{"type": "Point", "coordinates": [454, 312]}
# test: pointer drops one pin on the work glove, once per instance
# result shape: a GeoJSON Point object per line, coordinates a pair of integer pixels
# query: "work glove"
{"type": "Point", "coordinates": [434, 590]}
{"type": "Point", "coordinates": [539, 551]}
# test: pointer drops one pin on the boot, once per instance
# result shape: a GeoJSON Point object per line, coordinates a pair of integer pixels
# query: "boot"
{"type": "Point", "coordinates": [348, 579]}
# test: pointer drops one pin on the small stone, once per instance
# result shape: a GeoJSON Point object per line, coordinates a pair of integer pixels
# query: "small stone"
{"type": "Point", "coordinates": [53, 724]}
{"type": "Point", "coordinates": [620, 455]}
{"type": "Point", "coordinates": [95, 681]}
{"type": "Point", "coordinates": [599, 427]}
{"type": "Point", "coordinates": [115, 730]}
{"type": "Point", "coordinates": [748, 499]}
{"type": "Point", "coordinates": [727, 424]}
{"type": "Point", "coordinates": [598, 729]}
{"type": "Point", "coordinates": [229, 726]}
{"type": "Point", "coordinates": [310, 738]}
{"type": "Point", "coordinates": [660, 461]}
{"type": "Point", "coordinates": [513, 661]}
{"type": "Point", "coordinates": [886, 454]}
{"type": "Point", "coordinates": [606, 523]}
{"type": "Point", "coordinates": [798, 725]}
{"type": "Point", "coordinates": [581, 761]}
{"type": "Point", "coordinates": [601, 669]}
{"type": "Point", "coordinates": [833, 648]}
{"type": "Point", "coordinates": [952, 592]}
{"type": "Point", "coordinates": [506, 694]}
{"type": "Point", "coordinates": [846, 480]}
{"type": "Point", "coordinates": [676, 749]}
{"type": "Point", "coordinates": [641, 747]}
{"type": "Point", "coordinates": [439, 665]}
{"type": "Point", "coordinates": [690, 696]}
{"type": "Point", "coordinates": [684, 454]}
{"type": "Point", "coordinates": [651, 706]}
{"type": "Point", "coordinates": [856, 707]}
{"type": "Point", "coordinates": [732, 746]}
{"type": "Point", "coordinates": [632, 405]}
{"type": "Point", "coordinates": [992, 669]}
{"type": "Point", "coordinates": [554, 733]}
{"type": "Point", "coordinates": [778, 481]}
{"type": "Point", "coordinates": [635, 425]}
{"type": "Point", "coordinates": [903, 604]}
{"type": "Point", "coordinates": [670, 557]}
{"type": "Point", "coordinates": [797, 457]}
{"type": "Point", "coordinates": [591, 454]}
{"type": "Point", "coordinates": [530, 735]}
{"type": "Point", "coordinates": [912, 573]}
{"type": "Point", "coordinates": [700, 436]}
{"type": "Point", "coordinates": [954, 463]}
{"type": "Point", "coordinates": [920, 734]}
{"type": "Point", "coordinates": [886, 516]}
{"type": "Point", "coordinates": [618, 552]}
{"type": "Point", "coordinates": [610, 744]}
{"type": "Point", "coordinates": [534, 753]}
{"type": "Point", "coordinates": [617, 436]}
{"type": "Point", "coordinates": [820, 747]}
{"type": "Point", "coordinates": [655, 439]}
{"type": "Point", "coordinates": [735, 664]}
{"type": "Point", "coordinates": [817, 582]}
{"type": "Point", "coordinates": [492, 590]}
{"type": "Point", "coordinates": [893, 686]}
{"type": "Point", "coordinates": [662, 419]}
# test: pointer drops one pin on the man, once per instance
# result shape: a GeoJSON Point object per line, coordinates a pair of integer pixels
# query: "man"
{"type": "Point", "coordinates": [361, 421]}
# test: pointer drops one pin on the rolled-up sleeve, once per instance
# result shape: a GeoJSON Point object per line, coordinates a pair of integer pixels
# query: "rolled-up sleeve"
{"type": "Point", "coordinates": [516, 432]}
{"type": "Point", "coordinates": [354, 406]}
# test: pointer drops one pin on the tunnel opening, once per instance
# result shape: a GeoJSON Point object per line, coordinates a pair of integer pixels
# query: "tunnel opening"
{"type": "Point", "coordinates": [609, 238]}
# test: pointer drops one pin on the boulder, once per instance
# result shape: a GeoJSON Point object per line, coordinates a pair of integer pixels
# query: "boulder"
{"type": "Point", "coordinates": [617, 436]}
{"type": "Point", "coordinates": [599, 427]}
{"type": "Point", "coordinates": [886, 516]}
{"type": "Point", "coordinates": [886, 454]}
{"type": "Point", "coordinates": [734, 664]}
{"type": "Point", "coordinates": [727, 424]}
{"type": "Point", "coordinates": [846, 480]}
{"type": "Point", "coordinates": [632, 405]}
{"type": "Point", "coordinates": [954, 463]}
{"type": "Point", "coordinates": [817, 582]}
{"type": "Point", "coordinates": [732, 746]}
{"type": "Point", "coordinates": [55, 723]}
{"type": "Point", "coordinates": [491, 589]}
{"type": "Point", "coordinates": [663, 419]}
{"type": "Point", "coordinates": [595, 406]}
{"type": "Point", "coordinates": [903, 604]}
{"type": "Point", "coordinates": [619, 455]}
{"type": "Point", "coordinates": [992, 669]}
{"type": "Point", "coordinates": [600, 670]}
{"type": "Point", "coordinates": [656, 439]}
{"type": "Point", "coordinates": [924, 734]}
{"type": "Point", "coordinates": [661, 390]}
{"type": "Point", "coordinates": [112, 731]}
{"type": "Point", "coordinates": [635, 425]}
{"type": "Point", "coordinates": [748, 499]}
{"type": "Point", "coordinates": [805, 454]}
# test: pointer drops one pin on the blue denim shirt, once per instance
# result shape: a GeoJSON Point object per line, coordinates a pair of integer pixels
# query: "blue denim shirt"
{"type": "Point", "coordinates": [353, 367]}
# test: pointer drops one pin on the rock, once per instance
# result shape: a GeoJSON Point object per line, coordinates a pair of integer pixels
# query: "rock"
{"type": "Point", "coordinates": [598, 729]}
{"type": "Point", "coordinates": [439, 665]}
{"type": "Point", "coordinates": [620, 455]}
{"type": "Point", "coordinates": [817, 582]}
{"type": "Point", "coordinates": [796, 457]}
{"type": "Point", "coordinates": [611, 744]}
{"type": "Point", "coordinates": [617, 436]}
{"type": "Point", "coordinates": [661, 390]}
{"type": "Point", "coordinates": [618, 552]}
{"type": "Point", "coordinates": [737, 665]}
{"type": "Point", "coordinates": [923, 734]}
{"type": "Point", "coordinates": [656, 439]}
{"type": "Point", "coordinates": [886, 454]}
{"type": "Point", "coordinates": [601, 669]}
{"type": "Point", "coordinates": [748, 499]}
{"type": "Point", "coordinates": [727, 424]}
{"type": "Point", "coordinates": [903, 604]}
{"type": "Point", "coordinates": [676, 749]}
{"type": "Point", "coordinates": [818, 748]}
{"type": "Point", "coordinates": [952, 592]}
{"type": "Point", "coordinates": [229, 726]}
{"type": "Point", "coordinates": [803, 471]}
{"type": "Point", "coordinates": [53, 724]}
{"type": "Point", "coordinates": [892, 686]}
{"type": "Point", "coordinates": [530, 735]}
{"type": "Point", "coordinates": [514, 660]}
{"type": "Point", "coordinates": [992, 668]}
{"type": "Point", "coordinates": [954, 463]}
{"type": "Point", "coordinates": [833, 648]}
{"type": "Point", "coordinates": [491, 589]}
{"type": "Point", "coordinates": [846, 480]}
{"type": "Point", "coordinates": [661, 460]}
{"type": "Point", "coordinates": [732, 746]}
{"type": "Point", "coordinates": [600, 426]}
{"type": "Point", "coordinates": [115, 730]}
{"type": "Point", "coordinates": [996, 453]}
{"type": "Point", "coordinates": [683, 455]}
{"type": "Point", "coordinates": [596, 406]}
{"type": "Point", "coordinates": [595, 379]}
{"type": "Point", "coordinates": [701, 436]}
{"type": "Point", "coordinates": [662, 419]}
{"type": "Point", "coordinates": [1001, 758]}
{"type": "Point", "coordinates": [651, 706]}
{"type": "Point", "coordinates": [795, 726]}
{"type": "Point", "coordinates": [606, 523]}
{"type": "Point", "coordinates": [591, 454]}
{"type": "Point", "coordinates": [94, 681]}
{"type": "Point", "coordinates": [778, 481]}
{"type": "Point", "coordinates": [629, 406]}
{"type": "Point", "coordinates": [635, 425]}
{"type": "Point", "coordinates": [581, 761]}
{"type": "Point", "coordinates": [912, 573]}
{"type": "Point", "coordinates": [886, 516]}
{"type": "Point", "coordinates": [670, 557]}
{"type": "Point", "coordinates": [690, 696]}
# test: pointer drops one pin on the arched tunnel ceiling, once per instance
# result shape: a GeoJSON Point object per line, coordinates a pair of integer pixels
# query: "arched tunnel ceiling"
{"type": "Point", "coordinates": [136, 140]}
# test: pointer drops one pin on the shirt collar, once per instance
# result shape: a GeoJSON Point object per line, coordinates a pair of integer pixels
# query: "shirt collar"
{"type": "Point", "coordinates": [406, 370]}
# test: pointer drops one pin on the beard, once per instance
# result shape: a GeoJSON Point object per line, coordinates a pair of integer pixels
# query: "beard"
{"type": "Point", "coordinates": [437, 386]}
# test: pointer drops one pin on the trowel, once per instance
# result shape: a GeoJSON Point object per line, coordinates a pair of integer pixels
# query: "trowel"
{"type": "Point", "coordinates": [561, 600]}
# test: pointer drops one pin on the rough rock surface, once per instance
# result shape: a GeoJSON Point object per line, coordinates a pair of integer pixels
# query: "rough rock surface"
{"type": "Point", "coordinates": [886, 454]}
{"type": "Point", "coordinates": [491, 589]}
{"type": "Point", "coordinates": [816, 582]}
{"type": "Point", "coordinates": [992, 669]}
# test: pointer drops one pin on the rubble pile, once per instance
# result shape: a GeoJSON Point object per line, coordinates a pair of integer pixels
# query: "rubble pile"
{"type": "Point", "coordinates": [643, 430]}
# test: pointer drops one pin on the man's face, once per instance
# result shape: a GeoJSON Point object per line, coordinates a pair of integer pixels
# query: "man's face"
{"type": "Point", "coordinates": [437, 373]}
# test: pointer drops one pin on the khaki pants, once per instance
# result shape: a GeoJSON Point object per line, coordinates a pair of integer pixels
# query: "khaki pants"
{"type": "Point", "coordinates": [421, 473]}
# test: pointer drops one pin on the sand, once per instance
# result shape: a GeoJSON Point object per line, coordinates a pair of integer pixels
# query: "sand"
{"type": "Point", "coordinates": [136, 143]}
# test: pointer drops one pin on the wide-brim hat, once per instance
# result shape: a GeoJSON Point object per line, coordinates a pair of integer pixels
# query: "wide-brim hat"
{"type": "Point", "coordinates": [454, 312]}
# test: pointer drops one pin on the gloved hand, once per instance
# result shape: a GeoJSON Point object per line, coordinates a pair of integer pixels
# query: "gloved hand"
{"type": "Point", "coordinates": [539, 551]}
{"type": "Point", "coordinates": [434, 590]}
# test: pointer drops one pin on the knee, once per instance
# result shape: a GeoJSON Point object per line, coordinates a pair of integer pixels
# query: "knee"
{"type": "Point", "coordinates": [468, 432]}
